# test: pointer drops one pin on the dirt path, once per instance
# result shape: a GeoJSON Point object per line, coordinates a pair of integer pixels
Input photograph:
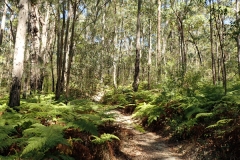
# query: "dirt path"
{"type": "Point", "coordinates": [141, 145]}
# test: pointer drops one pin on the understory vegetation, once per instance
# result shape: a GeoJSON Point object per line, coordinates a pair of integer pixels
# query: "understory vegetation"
{"type": "Point", "coordinates": [42, 128]}
{"type": "Point", "coordinates": [199, 114]}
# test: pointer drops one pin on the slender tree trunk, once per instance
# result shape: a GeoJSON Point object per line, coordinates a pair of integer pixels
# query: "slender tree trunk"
{"type": "Point", "coordinates": [65, 49]}
{"type": "Point", "coordinates": [11, 28]}
{"type": "Point", "coordinates": [223, 56]}
{"type": "Point", "coordinates": [59, 87]}
{"type": "Point", "coordinates": [238, 36]}
{"type": "Point", "coordinates": [3, 22]}
{"type": "Point", "coordinates": [196, 46]}
{"type": "Point", "coordinates": [149, 54]}
{"type": "Point", "coordinates": [138, 50]}
{"type": "Point", "coordinates": [115, 60]}
{"type": "Point", "coordinates": [115, 40]}
{"type": "Point", "coordinates": [51, 50]}
{"type": "Point", "coordinates": [159, 55]}
{"type": "Point", "coordinates": [18, 60]}
{"type": "Point", "coordinates": [211, 41]}
{"type": "Point", "coordinates": [182, 46]}
{"type": "Point", "coordinates": [71, 49]}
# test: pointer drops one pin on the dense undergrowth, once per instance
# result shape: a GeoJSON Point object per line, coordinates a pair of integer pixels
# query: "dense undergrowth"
{"type": "Point", "coordinates": [198, 114]}
{"type": "Point", "coordinates": [42, 128]}
{"type": "Point", "coordinates": [201, 115]}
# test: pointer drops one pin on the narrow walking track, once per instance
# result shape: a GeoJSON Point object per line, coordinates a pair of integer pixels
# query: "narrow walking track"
{"type": "Point", "coordinates": [144, 145]}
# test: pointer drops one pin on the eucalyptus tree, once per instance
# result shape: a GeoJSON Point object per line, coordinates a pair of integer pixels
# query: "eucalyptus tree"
{"type": "Point", "coordinates": [18, 60]}
{"type": "Point", "coordinates": [212, 44]}
{"type": "Point", "coordinates": [138, 49]}
{"type": "Point", "coordinates": [3, 21]}
{"type": "Point", "coordinates": [238, 35]}
{"type": "Point", "coordinates": [159, 55]}
{"type": "Point", "coordinates": [71, 49]}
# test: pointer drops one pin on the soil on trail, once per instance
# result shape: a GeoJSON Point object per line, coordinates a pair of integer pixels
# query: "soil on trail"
{"type": "Point", "coordinates": [137, 144]}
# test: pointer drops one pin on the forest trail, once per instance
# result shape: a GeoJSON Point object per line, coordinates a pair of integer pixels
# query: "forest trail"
{"type": "Point", "coordinates": [137, 144]}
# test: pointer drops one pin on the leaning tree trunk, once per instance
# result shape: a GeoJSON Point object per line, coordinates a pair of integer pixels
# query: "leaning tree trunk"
{"type": "Point", "coordinates": [18, 60]}
{"type": "Point", "coordinates": [138, 49]}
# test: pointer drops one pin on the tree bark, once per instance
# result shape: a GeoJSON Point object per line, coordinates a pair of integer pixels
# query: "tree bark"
{"type": "Point", "coordinates": [3, 22]}
{"type": "Point", "coordinates": [223, 56]}
{"type": "Point", "coordinates": [159, 55]}
{"type": "Point", "coordinates": [36, 80]}
{"type": "Point", "coordinates": [211, 41]}
{"type": "Point", "coordinates": [59, 86]}
{"type": "Point", "coordinates": [71, 49]}
{"type": "Point", "coordinates": [65, 49]}
{"type": "Point", "coordinates": [149, 54]}
{"type": "Point", "coordinates": [238, 36]}
{"type": "Point", "coordinates": [138, 49]}
{"type": "Point", "coordinates": [18, 60]}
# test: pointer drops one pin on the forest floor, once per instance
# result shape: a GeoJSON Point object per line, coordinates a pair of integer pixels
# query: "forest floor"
{"type": "Point", "coordinates": [138, 144]}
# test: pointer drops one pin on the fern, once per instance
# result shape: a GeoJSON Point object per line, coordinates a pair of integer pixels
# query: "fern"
{"type": "Point", "coordinates": [42, 138]}
{"type": "Point", "coordinates": [192, 110]}
{"type": "Point", "coordinates": [84, 125]}
{"type": "Point", "coordinates": [148, 110]}
{"type": "Point", "coordinates": [199, 115]}
{"type": "Point", "coordinates": [5, 138]}
{"type": "Point", "coordinates": [220, 123]}
{"type": "Point", "coordinates": [104, 138]}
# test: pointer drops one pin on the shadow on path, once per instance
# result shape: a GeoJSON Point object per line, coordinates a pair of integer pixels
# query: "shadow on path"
{"type": "Point", "coordinates": [136, 145]}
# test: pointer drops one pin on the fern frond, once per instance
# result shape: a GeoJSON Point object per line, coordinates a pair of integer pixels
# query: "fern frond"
{"type": "Point", "coordinates": [84, 125]}
{"type": "Point", "coordinates": [104, 138]}
{"type": "Point", "coordinates": [199, 115]}
{"type": "Point", "coordinates": [43, 138]}
{"type": "Point", "coordinates": [5, 139]}
{"type": "Point", "coordinates": [192, 110]}
{"type": "Point", "coordinates": [220, 123]}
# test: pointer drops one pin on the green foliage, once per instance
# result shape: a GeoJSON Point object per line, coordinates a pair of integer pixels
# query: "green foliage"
{"type": "Point", "coordinates": [40, 139]}
{"type": "Point", "coordinates": [143, 96]}
{"type": "Point", "coordinates": [121, 96]}
{"type": "Point", "coordinates": [38, 128]}
{"type": "Point", "coordinates": [148, 110]}
{"type": "Point", "coordinates": [104, 138]}
{"type": "Point", "coordinates": [5, 138]}
{"type": "Point", "coordinates": [220, 123]}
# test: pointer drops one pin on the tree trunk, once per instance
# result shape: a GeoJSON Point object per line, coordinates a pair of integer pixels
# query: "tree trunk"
{"type": "Point", "coordinates": [182, 46]}
{"type": "Point", "coordinates": [36, 79]}
{"type": "Point", "coordinates": [159, 55]}
{"type": "Point", "coordinates": [3, 22]}
{"type": "Point", "coordinates": [18, 60]}
{"type": "Point", "coordinates": [138, 50]}
{"type": "Point", "coordinates": [149, 54]}
{"type": "Point", "coordinates": [59, 87]}
{"type": "Point", "coordinates": [44, 49]}
{"type": "Point", "coordinates": [65, 49]}
{"type": "Point", "coordinates": [211, 41]}
{"type": "Point", "coordinates": [71, 49]}
{"type": "Point", "coordinates": [115, 59]}
{"type": "Point", "coordinates": [223, 56]}
{"type": "Point", "coordinates": [238, 36]}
